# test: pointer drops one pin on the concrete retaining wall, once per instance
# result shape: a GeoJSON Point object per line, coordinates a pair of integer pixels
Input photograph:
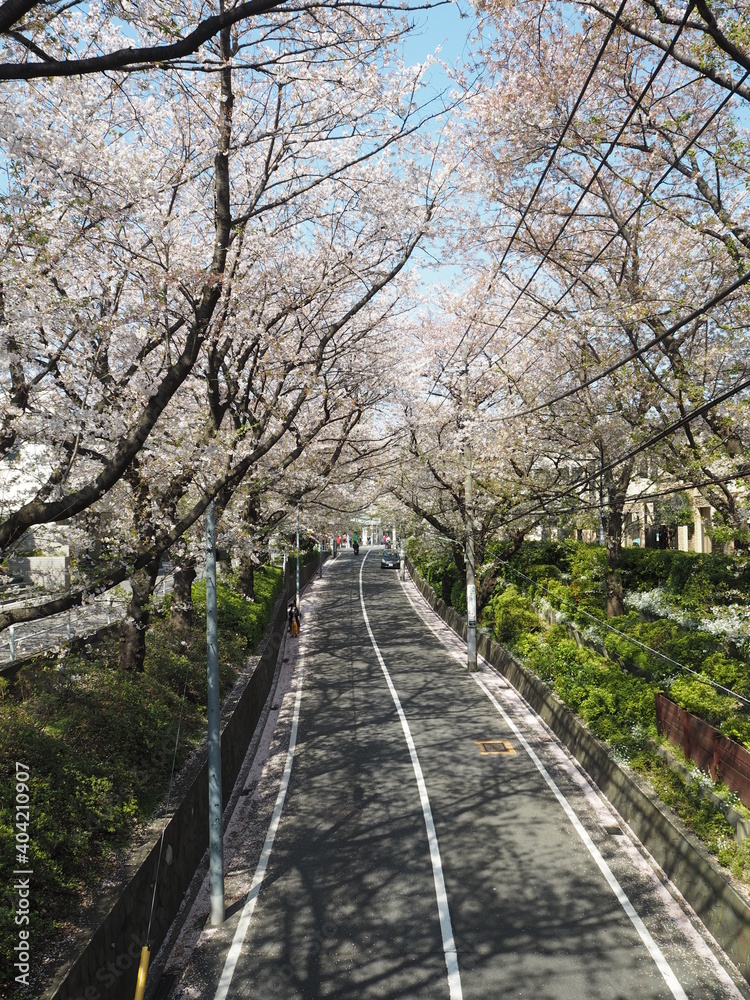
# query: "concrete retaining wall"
{"type": "Point", "coordinates": [51, 573]}
{"type": "Point", "coordinates": [106, 965]}
{"type": "Point", "coordinates": [724, 909]}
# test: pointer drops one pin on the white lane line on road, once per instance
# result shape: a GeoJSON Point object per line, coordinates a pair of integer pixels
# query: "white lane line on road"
{"type": "Point", "coordinates": [446, 928]}
{"type": "Point", "coordinates": [654, 950]}
{"type": "Point", "coordinates": [450, 639]}
{"type": "Point", "coordinates": [461, 657]}
{"type": "Point", "coordinates": [260, 872]}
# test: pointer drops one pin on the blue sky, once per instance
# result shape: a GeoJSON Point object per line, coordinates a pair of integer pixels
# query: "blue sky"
{"type": "Point", "coordinates": [441, 26]}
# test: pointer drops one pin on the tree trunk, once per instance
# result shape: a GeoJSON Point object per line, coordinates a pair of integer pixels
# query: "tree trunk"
{"type": "Point", "coordinates": [246, 578]}
{"type": "Point", "coordinates": [132, 649]}
{"type": "Point", "coordinates": [181, 608]}
{"type": "Point", "coordinates": [613, 540]}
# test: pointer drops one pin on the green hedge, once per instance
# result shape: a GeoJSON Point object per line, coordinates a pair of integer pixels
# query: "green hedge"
{"type": "Point", "coordinates": [438, 569]}
{"type": "Point", "coordinates": [509, 616]}
{"type": "Point", "coordinates": [237, 616]}
{"type": "Point", "coordinates": [692, 580]}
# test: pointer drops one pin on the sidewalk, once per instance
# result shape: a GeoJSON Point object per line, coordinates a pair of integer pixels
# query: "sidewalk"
{"type": "Point", "coordinates": [181, 963]}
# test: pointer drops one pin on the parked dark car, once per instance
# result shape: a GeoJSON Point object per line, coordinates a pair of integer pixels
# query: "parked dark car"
{"type": "Point", "coordinates": [390, 559]}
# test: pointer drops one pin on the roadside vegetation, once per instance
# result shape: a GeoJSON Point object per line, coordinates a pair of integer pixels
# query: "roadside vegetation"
{"type": "Point", "coordinates": [608, 680]}
{"type": "Point", "coordinates": [98, 743]}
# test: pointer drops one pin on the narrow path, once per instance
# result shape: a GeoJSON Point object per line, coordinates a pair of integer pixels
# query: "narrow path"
{"type": "Point", "coordinates": [430, 839]}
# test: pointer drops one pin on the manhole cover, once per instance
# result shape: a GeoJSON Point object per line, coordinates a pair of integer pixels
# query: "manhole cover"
{"type": "Point", "coordinates": [495, 746]}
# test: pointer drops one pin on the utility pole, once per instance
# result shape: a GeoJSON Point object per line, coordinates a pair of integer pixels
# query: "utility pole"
{"type": "Point", "coordinates": [215, 839]}
{"type": "Point", "coordinates": [602, 537]}
{"type": "Point", "coordinates": [471, 585]}
{"type": "Point", "coordinates": [297, 597]}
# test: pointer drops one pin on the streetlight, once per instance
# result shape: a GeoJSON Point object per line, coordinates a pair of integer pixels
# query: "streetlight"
{"type": "Point", "coordinates": [297, 597]}
{"type": "Point", "coordinates": [471, 589]}
{"type": "Point", "coordinates": [215, 844]}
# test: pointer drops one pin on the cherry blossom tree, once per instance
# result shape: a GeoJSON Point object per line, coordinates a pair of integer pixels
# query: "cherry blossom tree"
{"type": "Point", "coordinates": [63, 39]}
{"type": "Point", "coordinates": [456, 465]}
{"type": "Point", "coordinates": [618, 225]}
{"type": "Point", "coordinates": [190, 273]}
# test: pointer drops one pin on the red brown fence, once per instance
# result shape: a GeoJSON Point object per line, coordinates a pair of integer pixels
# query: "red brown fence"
{"type": "Point", "coordinates": [708, 748]}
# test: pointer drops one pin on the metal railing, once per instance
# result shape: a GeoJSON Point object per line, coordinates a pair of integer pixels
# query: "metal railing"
{"type": "Point", "coordinates": [46, 633]}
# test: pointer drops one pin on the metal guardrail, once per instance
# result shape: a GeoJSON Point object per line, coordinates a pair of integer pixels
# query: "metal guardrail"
{"type": "Point", "coordinates": [46, 633]}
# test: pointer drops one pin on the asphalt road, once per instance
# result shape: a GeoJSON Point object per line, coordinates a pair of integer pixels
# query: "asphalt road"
{"type": "Point", "coordinates": [434, 841]}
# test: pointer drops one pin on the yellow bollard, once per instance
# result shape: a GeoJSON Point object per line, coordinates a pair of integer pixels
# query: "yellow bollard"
{"type": "Point", "coordinates": [140, 987]}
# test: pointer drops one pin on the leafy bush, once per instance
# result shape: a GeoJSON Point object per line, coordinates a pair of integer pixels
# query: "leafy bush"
{"type": "Point", "coordinates": [558, 594]}
{"type": "Point", "coordinates": [437, 569]}
{"type": "Point", "coordinates": [719, 709]}
{"type": "Point", "coordinates": [728, 671]}
{"type": "Point", "coordinates": [695, 649]}
{"type": "Point", "coordinates": [617, 706]}
{"type": "Point", "coordinates": [238, 616]}
{"type": "Point", "coordinates": [588, 570]}
{"type": "Point", "coordinates": [544, 553]}
{"type": "Point", "coordinates": [458, 597]}
{"type": "Point", "coordinates": [509, 615]}
{"type": "Point", "coordinates": [544, 572]}
{"type": "Point", "coordinates": [99, 745]}
{"type": "Point", "coordinates": [690, 579]}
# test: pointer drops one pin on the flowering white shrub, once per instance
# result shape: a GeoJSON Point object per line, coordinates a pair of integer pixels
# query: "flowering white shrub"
{"type": "Point", "coordinates": [620, 756]}
{"type": "Point", "coordinates": [725, 622]}
{"type": "Point", "coordinates": [656, 602]}
{"type": "Point", "coordinates": [592, 634]}
{"type": "Point", "coordinates": [545, 607]}
{"type": "Point", "coordinates": [701, 777]}
{"type": "Point", "coordinates": [732, 622]}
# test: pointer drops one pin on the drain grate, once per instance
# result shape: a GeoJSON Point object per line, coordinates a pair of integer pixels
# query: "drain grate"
{"type": "Point", "coordinates": [495, 747]}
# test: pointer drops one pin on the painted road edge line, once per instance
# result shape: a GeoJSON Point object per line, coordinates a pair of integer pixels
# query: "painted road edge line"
{"type": "Point", "coordinates": [446, 927]}
{"type": "Point", "coordinates": [653, 949]}
{"type": "Point", "coordinates": [260, 872]}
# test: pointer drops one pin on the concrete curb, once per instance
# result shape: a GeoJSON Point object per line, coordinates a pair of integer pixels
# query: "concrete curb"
{"type": "Point", "coordinates": [723, 908]}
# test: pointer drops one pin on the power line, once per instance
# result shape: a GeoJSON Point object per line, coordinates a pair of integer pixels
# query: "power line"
{"type": "Point", "coordinates": [568, 123]}
{"type": "Point", "coordinates": [636, 210]}
{"type": "Point", "coordinates": [676, 327]}
{"type": "Point", "coordinates": [579, 484]}
{"type": "Point", "coordinates": [687, 418]}
{"type": "Point", "coordinates": [695, 314]}
{"type": "Point", "coordinates": [548, 166]}
{"type": "Point", "coordinates": [586, 189]}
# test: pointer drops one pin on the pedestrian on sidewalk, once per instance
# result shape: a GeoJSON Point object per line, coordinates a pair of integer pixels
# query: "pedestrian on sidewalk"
{"type": "Point", "coordinates": [294, 617]}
